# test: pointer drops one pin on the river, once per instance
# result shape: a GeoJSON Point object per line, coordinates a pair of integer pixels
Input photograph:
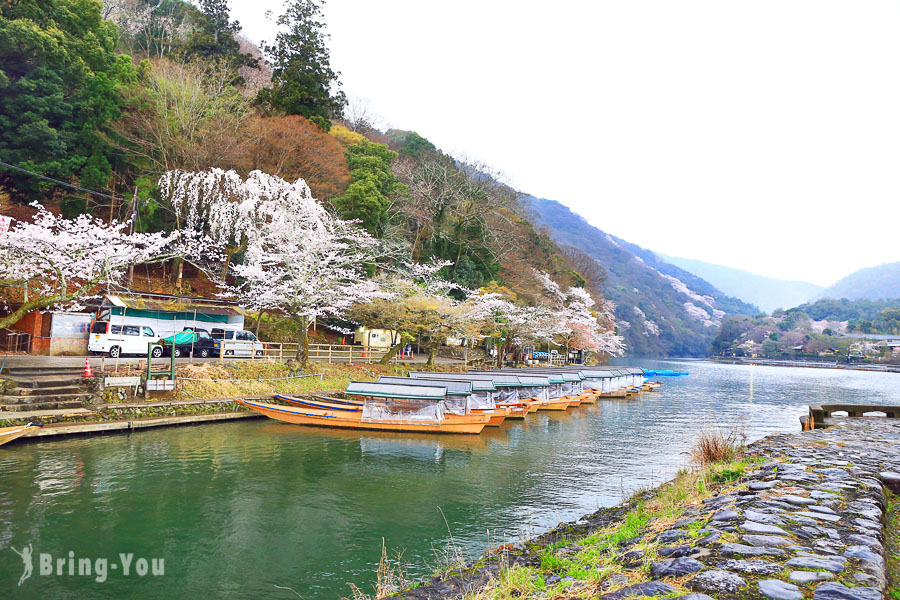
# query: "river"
{"type": "Point", "coordinates": [236, 509]}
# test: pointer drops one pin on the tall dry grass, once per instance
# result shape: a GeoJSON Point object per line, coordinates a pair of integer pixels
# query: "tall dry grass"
{"type": "Point", "coordinates": [718, 445]}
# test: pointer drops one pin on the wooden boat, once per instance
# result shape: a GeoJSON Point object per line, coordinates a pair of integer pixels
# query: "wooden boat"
{"type": "Point", "coordinates": [497, 415]}
{"type": "Point", "coordinates": [554, 404]}
{"type": "Point", "coordinates": [517, 410]}
{"type": "Point", "coordinates": [8, 434]}
{"type": "Point", "coordinates": [588, 398]}
{"type": "Point", "coordinates": [297, 415]}
{"type": "Point", "coordinates": [321, 403]}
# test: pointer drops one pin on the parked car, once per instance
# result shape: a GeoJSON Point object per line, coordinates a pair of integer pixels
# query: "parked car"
{"type": "Point", "coordinates": [237, 343]}
{"type": "Point", "coordinates": [198, 342]}
{"type": "Point", "coordinates": [123, 338]}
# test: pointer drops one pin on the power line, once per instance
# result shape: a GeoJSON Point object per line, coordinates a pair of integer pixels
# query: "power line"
{"type": "Point", "coordinates": [58, 182]}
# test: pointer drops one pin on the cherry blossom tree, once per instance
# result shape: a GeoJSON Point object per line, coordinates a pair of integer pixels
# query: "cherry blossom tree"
{"type": "Point", "coordinates": [57, 261]}
{"type": "Point", "coordinates": [299, 259]}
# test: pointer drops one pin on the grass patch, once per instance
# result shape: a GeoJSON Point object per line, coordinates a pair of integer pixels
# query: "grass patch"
{"type": "Point", "coordinates": [892, 547]}
{"type": "Point", "coordinates": [718, 445]}
{"type": "Point", "coordinates": [261, 378]}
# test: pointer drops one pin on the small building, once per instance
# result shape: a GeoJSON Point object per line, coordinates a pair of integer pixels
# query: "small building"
{"type": "Point", "coordinates": [375, 338]}
{"type": "Point", "coordinates": [167, 314]}
{"type": "Point", "coordinates": [66, 333]}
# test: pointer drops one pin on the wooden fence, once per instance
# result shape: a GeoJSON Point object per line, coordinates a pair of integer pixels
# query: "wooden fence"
{"type": "Point", "coordinates": [317, 352]}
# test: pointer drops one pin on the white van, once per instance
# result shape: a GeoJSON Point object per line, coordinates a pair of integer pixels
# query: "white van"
{"type": "Point", "coordinates": [120, 339]}
{"type": "Point", "coordinates": [237, 343]}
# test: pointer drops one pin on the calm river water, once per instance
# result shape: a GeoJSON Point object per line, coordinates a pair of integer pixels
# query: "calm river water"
{"type": "Point", "coordinates": [237, 509]}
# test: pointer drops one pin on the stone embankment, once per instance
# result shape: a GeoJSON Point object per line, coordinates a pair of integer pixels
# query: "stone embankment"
{"type": "Point", "coordinates": [805, 516]}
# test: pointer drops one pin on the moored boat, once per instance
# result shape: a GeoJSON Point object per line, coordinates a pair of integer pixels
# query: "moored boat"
{"type": "Point", "coordinates": [469, 424]}
{"type": "Point", "coordinates": [8, 434]}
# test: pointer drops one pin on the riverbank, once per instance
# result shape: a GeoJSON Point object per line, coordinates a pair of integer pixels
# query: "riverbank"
{"type": "Point", "coordinates": [803, 515]}
{"type": "Point", "coordinates": [774, 362]}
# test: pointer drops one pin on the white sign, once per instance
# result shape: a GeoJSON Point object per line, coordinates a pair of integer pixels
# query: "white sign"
{"type": "Point", "coordinates": [4, 223]}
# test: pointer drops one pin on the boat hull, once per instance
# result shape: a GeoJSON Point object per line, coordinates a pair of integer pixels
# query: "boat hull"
{"type": "Point", "coordinates": [555, 404]}
{"type": "Point", "coordinates": [468, 424]}
{"type": "Point", "coordinates": [8, 434]}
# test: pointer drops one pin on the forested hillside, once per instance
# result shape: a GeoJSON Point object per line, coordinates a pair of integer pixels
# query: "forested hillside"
{"type": "Point", "coordinates": [661, 310]}
{"type": "Point", "coordinates": [821, 328]}
{"type": "Point", "coordinates": [875, 283]}
{"type": "Point", "coordinates": [162, 112]}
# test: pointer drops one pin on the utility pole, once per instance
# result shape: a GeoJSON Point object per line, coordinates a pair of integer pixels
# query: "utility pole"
{"type": "Point", "coordinates": [130, 231]}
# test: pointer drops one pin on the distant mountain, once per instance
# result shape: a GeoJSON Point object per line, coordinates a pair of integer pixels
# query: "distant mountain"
{"type": "Point", "coordinates": [874, 283]}
{"type": "Point", "coordinates": [767, 293]}
{"type": "Point", "coordinates": [661, 309]}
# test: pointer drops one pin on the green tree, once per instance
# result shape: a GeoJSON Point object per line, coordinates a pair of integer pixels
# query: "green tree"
{"type": "Point", "coordinates": [213, 38]}
{"type": "Point", "coordinates": [303, 82]}
{"type": "Point", "coordinates": [372, 186]}
{"type": "Point", "coordinates": [60, 87]}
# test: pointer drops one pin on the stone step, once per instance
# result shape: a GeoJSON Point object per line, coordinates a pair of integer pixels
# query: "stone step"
{"type": "Point", "coordinates": [47, 391]}
{"type": "Point", "coordinates": [47, 405]}
{"type": "Point", "coordinates": [32, 371]}
{"type": "Point", "coordinates": [44, 381]}
{"type": "Point", "coordinates": [21, 400]}
{"type": "Point", "coordinates": [49, 414]}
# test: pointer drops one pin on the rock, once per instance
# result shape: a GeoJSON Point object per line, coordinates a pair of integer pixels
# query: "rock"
{"type": "Point", "coordinates": [686, 521]}
{"type": "Point", "coordinates": [762, 485]}
{"type": "Point", "coordinates": [648, 588]}
{"type": "Point", "coordinates": [672, 535]}
{"type": "Point", "coordinates": [731, 549]}
{"type": "Point", "coordinates": [678, 551]}
{"type": "Point", "coordinates": [809, 576]}
{"type": "Point", "coordinates": [832, 518]}
{"type": "Point", "coordinates": [676, 567]}
{"type": "Point", "coordinates": [821, 495]}
{"type": "Point", "coordinates": [835, 591]}
{"type": "Point", "coordinates": [867, 524]}
{"type": "Point", "coordinates": [709, 536]}
{"type": "Point", "coordinates": [754, 527]}
{"type": "Point", "coordinates": [822, 509]}
{"type": "Point", "coordinates": [767, 541]}
{"type": "Point", "coordinates": [866, 540]}
{"type": "Point", "coordinates": [716, 581]}
{"type": "Point", "coordinates": [726, 515]}
{"type": "Point", "coordinates": [811, 562]}
{"type": "Point", "coordinates": [552, 579]}
{"type": "Point", "coordinates": [754, 567]}
{"type": "Point", "coordinates": [694, 597]}
{"type": "Point", "coordinates": [891, 480]}
{"type": "Point", "coordinates": [761, 517]}
{"type": "Point", "coordinates": [632, 558]}
{"type": "Point", "coordinates": [779, 590]}
{"type": "Point", "coordinates": [864, 553]}
{"type": "Point", "coordinates": [615, 580]}
{"type": "Point", "coordinates": [797, 500]}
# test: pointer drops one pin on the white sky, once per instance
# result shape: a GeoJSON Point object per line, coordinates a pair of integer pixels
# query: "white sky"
{"type": "Point", "coordinates": [762, 135]}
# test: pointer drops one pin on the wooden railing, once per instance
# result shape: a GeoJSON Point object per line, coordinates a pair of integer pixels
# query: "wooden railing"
{"type": "Point", "coordinates": [282, 351]}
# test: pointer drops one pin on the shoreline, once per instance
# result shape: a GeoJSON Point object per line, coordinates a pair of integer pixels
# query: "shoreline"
{"type": "Point", "coordinates": [774, 362]}
{"type": "Point", "coordinates": [803, 515]}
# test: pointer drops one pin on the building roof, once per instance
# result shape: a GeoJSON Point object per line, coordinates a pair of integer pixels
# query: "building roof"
{"type": "Point", "coordinates": [169, 303]}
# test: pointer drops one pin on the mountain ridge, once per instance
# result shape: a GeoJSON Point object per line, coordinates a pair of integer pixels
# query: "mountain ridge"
{"type": "Point", "coordinates": [881, 282]}
{"type": "Point", "coordinates": [768, 293]}
{"type": "Point", "coordinates": [661, 309]}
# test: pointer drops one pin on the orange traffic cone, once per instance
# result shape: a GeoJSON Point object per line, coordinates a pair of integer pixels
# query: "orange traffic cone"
{"type": "Point", "coordinates": [87, 368]}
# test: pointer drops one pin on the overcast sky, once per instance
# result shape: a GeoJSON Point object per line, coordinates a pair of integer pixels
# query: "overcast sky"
{"type": "Point", "coordinates": [762, 135]}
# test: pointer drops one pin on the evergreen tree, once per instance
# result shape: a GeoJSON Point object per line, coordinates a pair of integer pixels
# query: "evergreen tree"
{"type": "Point", "coordinates": [303, 82]}
{"type": "Point", "coordinates": [214, 38]}
{"type": "Point", "coordinates": [60, 86]}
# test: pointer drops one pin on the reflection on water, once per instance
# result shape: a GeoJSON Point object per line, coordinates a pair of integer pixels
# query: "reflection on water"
{"type": "Point", "coordinates": [237, 508]}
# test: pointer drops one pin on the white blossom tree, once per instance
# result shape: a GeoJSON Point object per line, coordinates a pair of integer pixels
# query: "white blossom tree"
{"type": "Point", "coordinates": [56, 262]}
{"type": "Point", "coordinates": [299, 259]}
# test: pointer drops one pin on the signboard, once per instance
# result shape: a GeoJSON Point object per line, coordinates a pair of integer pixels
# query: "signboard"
{"type": "Point", "coordinates": [4, 223]}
